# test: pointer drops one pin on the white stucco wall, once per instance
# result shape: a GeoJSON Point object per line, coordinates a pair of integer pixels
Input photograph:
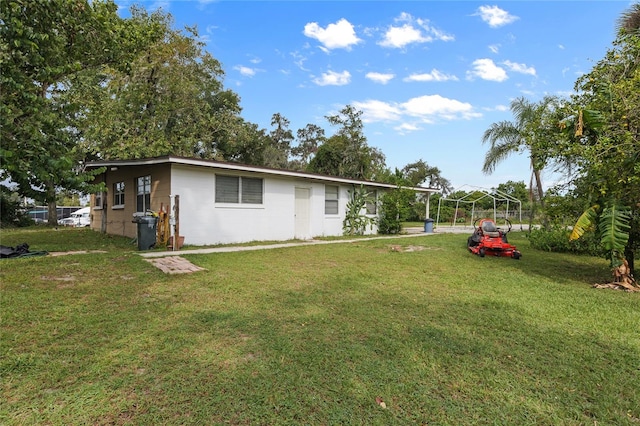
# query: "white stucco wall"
{"type": "Point", "coordinates": [203, 222]}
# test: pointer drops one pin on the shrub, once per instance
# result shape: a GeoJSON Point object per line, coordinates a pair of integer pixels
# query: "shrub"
{"type": "Point", "coordinates": [557, 240]}
{"type": "Point", "coordinates": [11, 213]}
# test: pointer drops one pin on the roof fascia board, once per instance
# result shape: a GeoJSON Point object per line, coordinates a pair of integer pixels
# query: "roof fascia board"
{"type": "Point", "coordinates": [252, 169]}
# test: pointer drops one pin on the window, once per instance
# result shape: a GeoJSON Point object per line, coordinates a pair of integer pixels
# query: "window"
{"type": "Point", "coordinates": [118, 194]}
{"type": "Point", "coordinates": [97, 203]}
{"type": "Point", "coordinates": [372, 202]}
{"type": "Point", "coordinates": [330, 199]}
{"type": "Point", "coordinates": [251, 190]}
{"type": "Point", "coordinates": [143, 193]}
{"type": "Point", "coordinates": [237, 189]}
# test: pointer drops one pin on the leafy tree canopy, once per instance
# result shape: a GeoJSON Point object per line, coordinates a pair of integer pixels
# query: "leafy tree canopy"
{"type": "Point", "coordinates": [44, 45]}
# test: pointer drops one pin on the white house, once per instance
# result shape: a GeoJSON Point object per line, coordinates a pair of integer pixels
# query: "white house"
{"type": "Point", "coordinates": [221, 203]}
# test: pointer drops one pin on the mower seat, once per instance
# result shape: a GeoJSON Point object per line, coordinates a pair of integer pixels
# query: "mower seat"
{"type": "Point", "coordinates": [489, 229]}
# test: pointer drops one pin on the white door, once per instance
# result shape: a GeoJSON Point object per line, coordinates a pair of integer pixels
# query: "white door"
{"type": "Point", "coordinates": [302, 213]}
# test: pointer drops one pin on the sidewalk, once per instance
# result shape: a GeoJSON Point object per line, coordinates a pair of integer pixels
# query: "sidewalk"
{"type": "Point", "coordinates": [410, 232]}
{"type": "Point", "coordinates": [228, 249]}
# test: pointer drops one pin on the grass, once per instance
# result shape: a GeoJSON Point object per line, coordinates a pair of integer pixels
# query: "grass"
{"type": "Point", "coordinates": [313, 335]}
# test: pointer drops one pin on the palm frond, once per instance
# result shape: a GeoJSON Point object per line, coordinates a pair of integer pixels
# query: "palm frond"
{"type": "Point", "coordinates": [629, 21]}
{"type": "Point", "coordinates": [501, 147]}
{"type": "Point", "coordinates": [586, 222]}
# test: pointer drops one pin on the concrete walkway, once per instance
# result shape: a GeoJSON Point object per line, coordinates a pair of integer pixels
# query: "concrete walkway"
{"type": "Point", "coordinates": [410, 232]}
{"type": "Point", "coordinates": [227, 249]}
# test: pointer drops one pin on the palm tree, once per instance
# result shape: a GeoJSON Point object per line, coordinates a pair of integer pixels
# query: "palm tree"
{"type": "Point", "coordinates": [629, 21]}
{"type": "Point", "coordinates": [522, 134]}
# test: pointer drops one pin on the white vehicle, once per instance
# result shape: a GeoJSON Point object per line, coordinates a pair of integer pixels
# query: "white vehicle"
{"type": "Point", "coordinates": [79, 218]}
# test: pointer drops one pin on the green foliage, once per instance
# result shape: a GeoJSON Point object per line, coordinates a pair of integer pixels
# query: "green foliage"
{"type": "Point", "coordinates": [562, 208]}
{"type": "Point", "coordinates": [46, 45]}
{"type": "Point", "coordinates": [586, 222]}
{"type": "Point", "coordinates": [169, 101]}
{"type": "Point", "coordinates": [614, 230]}
{"type": "Point", "coordinates": [347, 153]}
{"type": "Point", "coordinates": [556, 239]}
{"type": "Point", "coordinates": [395, 209]}
{"type": "Point", "coordinates": [355, 221]}
{"type": "Point", "coordinates": [612, 224]}
{"type": "Point", "coordinates": [11, 212]}
{"type": "Point", "coordinates": [420, 173]}
{"type": "Point", "coordinates": [601, 139]}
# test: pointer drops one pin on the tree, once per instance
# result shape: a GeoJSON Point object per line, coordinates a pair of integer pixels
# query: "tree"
{"type": "Point", "coordinates": [419, 173]}
{"type": "Point", "coordinates": [44, 44]}
{"type": "Point", "coordinates": [346, 153]}
{"type": "Point", "coordinates": [396, 204]}
{"type": "Point", "coordinates": [309, 138]}
{"type": "Point", "coordinates": [277, 152]}
{"type": "Point", "coordinates": [604, 143]}
{"type": "Point", "coordinates": [528, 132]}
{"type": "Point", "coordinates": [170, 100]}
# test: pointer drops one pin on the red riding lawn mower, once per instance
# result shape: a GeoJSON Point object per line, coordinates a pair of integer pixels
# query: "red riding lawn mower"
{"type": "Point", "coordinates": [488, 239]}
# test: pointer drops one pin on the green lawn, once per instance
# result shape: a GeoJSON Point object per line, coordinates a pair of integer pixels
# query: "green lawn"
{"type": "Point", "coordinates": [314, 335]}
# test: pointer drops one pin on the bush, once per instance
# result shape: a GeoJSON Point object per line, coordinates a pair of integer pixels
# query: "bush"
{"type": "Point", "coordinates": [11, 213]}
{"type": "Point", "coordinates": [557, 240]}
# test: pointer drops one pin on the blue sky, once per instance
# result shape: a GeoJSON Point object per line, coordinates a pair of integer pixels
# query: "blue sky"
{"type": "Point", "coordinates": [429, 76]}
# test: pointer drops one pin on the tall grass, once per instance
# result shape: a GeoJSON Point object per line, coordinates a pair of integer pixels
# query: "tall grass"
{"type": "Point", "coordinates": [315, 335]}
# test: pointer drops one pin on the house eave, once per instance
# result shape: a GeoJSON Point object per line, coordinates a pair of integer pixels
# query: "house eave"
{"type": "Point", "coordinates": [247, 168]}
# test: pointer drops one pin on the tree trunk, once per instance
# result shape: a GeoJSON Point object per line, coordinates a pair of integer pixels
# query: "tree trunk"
{"type": "Point", "coordinates": [623, 278]}
{"type": "Point", "coordinates": [536, 175]}
{"type": "Point", "coordinates": [629, 254]}
{"type": "Point", "coordinates": [51, 204]}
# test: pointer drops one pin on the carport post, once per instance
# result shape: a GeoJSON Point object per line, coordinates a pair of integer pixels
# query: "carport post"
{"type": "Point", "coordinates": [427, 206]}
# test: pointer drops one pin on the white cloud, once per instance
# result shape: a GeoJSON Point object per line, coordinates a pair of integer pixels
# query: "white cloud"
{"type": "Point", "coordinates": [521, 68]}
{"type": "Point", "coordinates": [377, 111]}
{"type": "Point", "coordinates": [487, 70]}
{"type": "Point", "coordinates": [399, 37]}
{"type": "Point", "coordinates": [502, 108]}
{"type": "Point", "coordinates": [495, 17]}
{"type": "Point", "coordinates": [413, 30]}
{"type": "Point", "coordinates": [340, 35]}
{"type": "Point", "coordinates": [299, 60]}
{"type": "Point", "coordinates": [434, 75]}
{"type": "Point", "coordinates": [332, 78]}
{"type": "Point", "coordinates": [423, 109]}
{"type": "Point", "coordinates": [495, 48]}
{"type": "Point", "coordinates": [406, 128]}
{"type": "Point", "coordinates": [379, 77]}
{"type": "Point", "coordinates": [436, 105]}
{"type": "Point", "coordinates": [246, 71]}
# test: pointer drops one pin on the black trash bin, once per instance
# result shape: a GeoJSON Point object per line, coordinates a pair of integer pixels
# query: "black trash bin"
{"type": "Point", "coordinates": [146, 231]}
{"type": "Point", "coordinates": [428, 226]}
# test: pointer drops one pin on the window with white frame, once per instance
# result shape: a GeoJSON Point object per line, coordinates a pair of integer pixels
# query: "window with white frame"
{"type": "Point", "coordinates": [118, 194]}
{"type": "Point", "coordinates": [143, 193]}
{"type": "Point", "coordinates": [239, 190]}
{"type": "Point", "coordinates": [330, 199]}
{"type": "Point", "coordinates": [372, 202]}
